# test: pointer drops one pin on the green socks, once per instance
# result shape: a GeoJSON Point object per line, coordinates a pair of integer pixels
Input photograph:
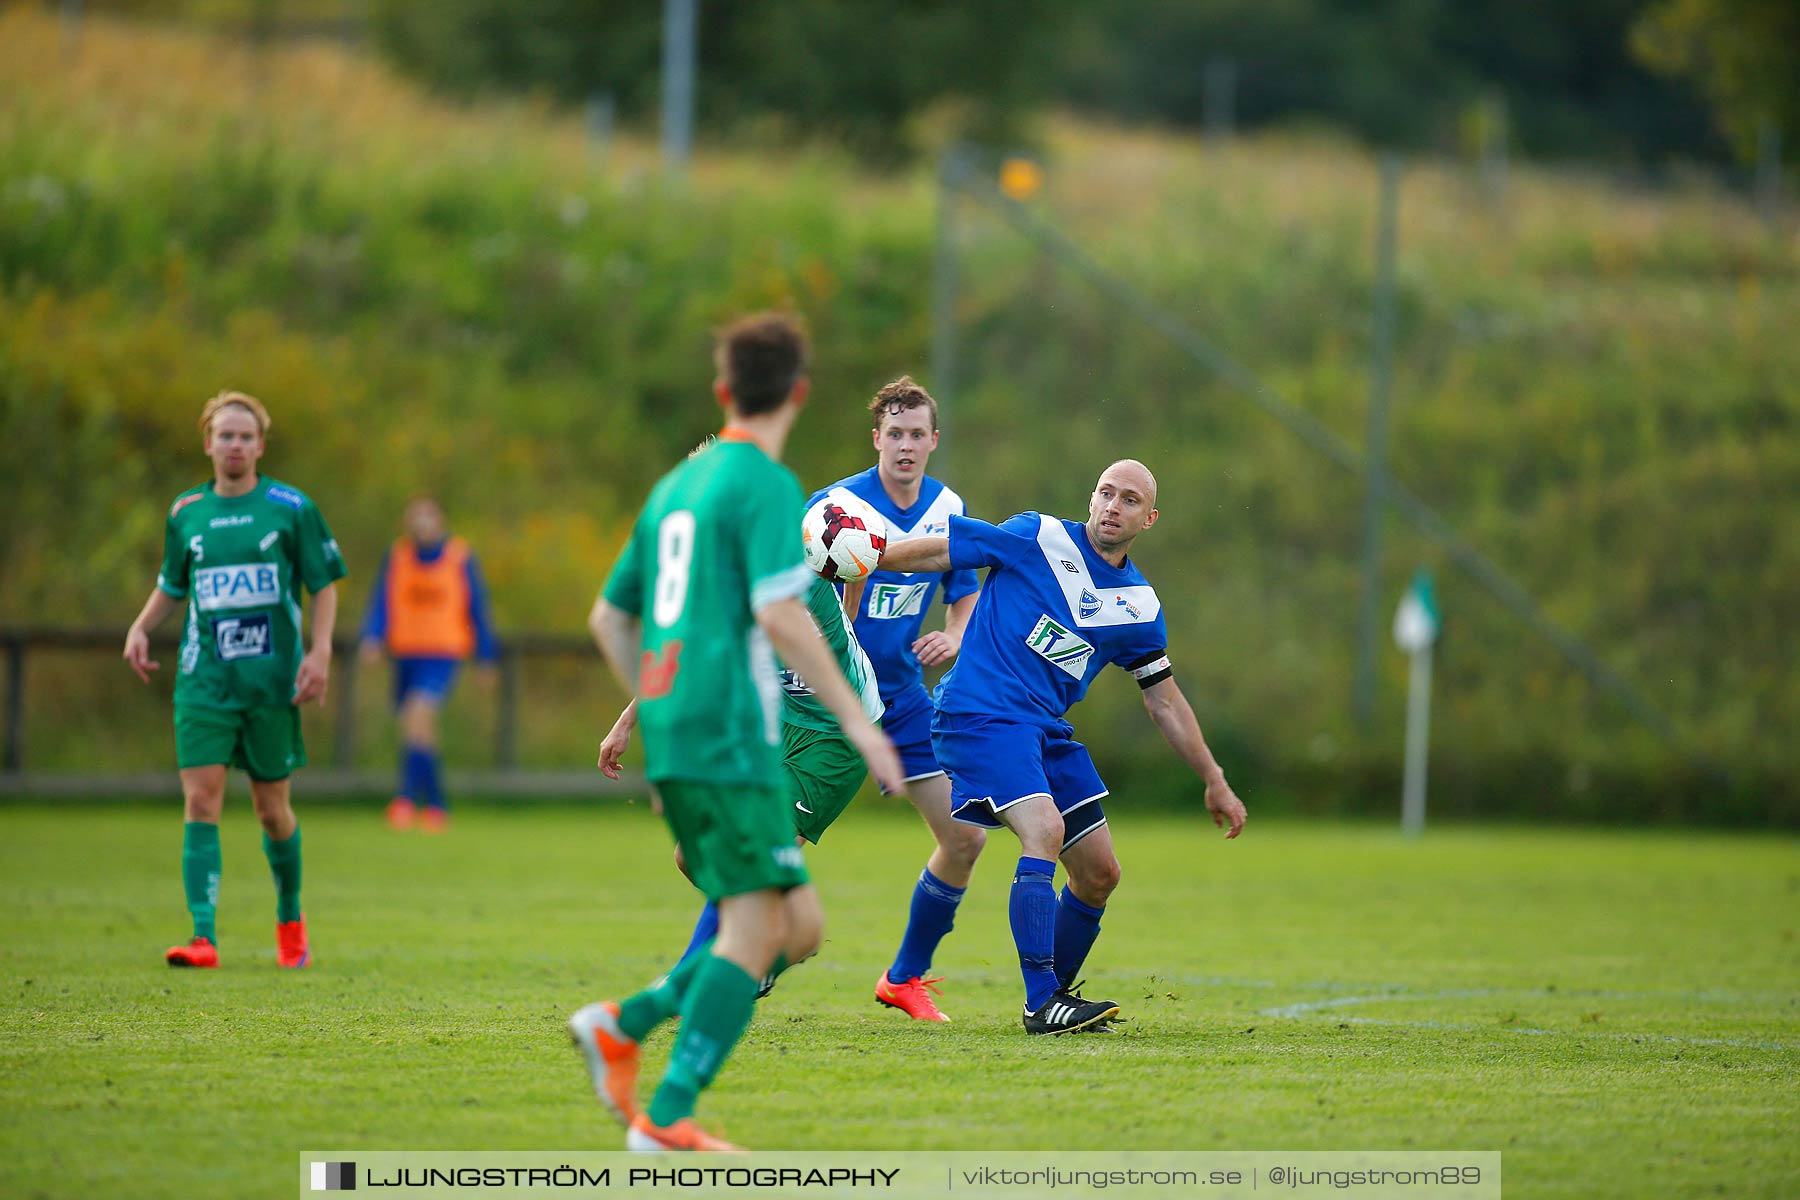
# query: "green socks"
{"type": "Point", "coordinates": [201, 865]}
{"type": "Point", "coordinates": [663, 999]}
{"type": "Point", "coordinates": [200, 869]}
{"type": "Point", "coordinates": [720, 998]}
{"type": "Point", "coordinates": [284, 864]}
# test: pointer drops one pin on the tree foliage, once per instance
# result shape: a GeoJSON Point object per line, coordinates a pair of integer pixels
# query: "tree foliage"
{"type": "Point", "coordinates": [1397, 72]}
{"type": "Point", "coordinates": [1743, 54]}
{"type": "Point", "coordinates": [1621, 79]}
{"type": "Point", "coordinates": [1596, 385]}
{"type": "Point", "coordinates": [857, 71]}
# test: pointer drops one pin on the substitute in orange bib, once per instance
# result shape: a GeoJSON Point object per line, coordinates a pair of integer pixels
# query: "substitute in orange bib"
{"type": "Point", "coordinates": [429, 612]}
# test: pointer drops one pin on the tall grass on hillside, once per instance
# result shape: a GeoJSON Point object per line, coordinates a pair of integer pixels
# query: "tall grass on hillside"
{"type": "Point", "coordinates": [1597, 385]}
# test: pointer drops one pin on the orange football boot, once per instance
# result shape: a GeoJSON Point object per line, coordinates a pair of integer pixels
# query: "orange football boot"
{"type": "Point", "coordinates": [912, 997]}
{"type": "Point", "coordinates": [611, 1057]}
{"type": "Point", "coordinates": [682, 1135]}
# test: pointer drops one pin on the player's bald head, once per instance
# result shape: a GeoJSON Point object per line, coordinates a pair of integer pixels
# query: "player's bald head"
{"type": "Point", "coordinates": [1129, 472]}
{"type": "Point", "coordinates": [1123, 505]}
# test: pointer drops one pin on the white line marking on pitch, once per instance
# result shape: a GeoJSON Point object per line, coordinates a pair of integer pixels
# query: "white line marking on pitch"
{"type": "Point", "coordinates": [1314, 1007]}
{"type": "Point", "coordinates": [1533, 1031]}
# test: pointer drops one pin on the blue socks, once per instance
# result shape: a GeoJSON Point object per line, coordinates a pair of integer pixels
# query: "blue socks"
{"type": "Point", "coordinates": [412, 773]}
{"type": "Point", "coordinates": [1032, 908]}
{"type": "Point", "coordinates": [1053, 935]}
{"type": "Point", "coordinates": [1077, 925]}
{"type": "Point", "coordinates": [419, 781]}
{"type": "Point", "coordinates": [933, 913]}
{"type": "Point", "coordinates": [704, 931]}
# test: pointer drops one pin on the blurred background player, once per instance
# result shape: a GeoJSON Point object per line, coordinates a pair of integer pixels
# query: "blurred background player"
{"type": "Point", "coordinates": [706, 592]}
{"type": "Point", "coordinates": [1062, 600]}
{"type": "Point", "coordinates": [429, 610]}
{"type": "Point", "coordinates": [820, 767]}
{"type": "Point", "coordinates": [238, 550]}
{"type": "Point", "coordinates": [889, 620]}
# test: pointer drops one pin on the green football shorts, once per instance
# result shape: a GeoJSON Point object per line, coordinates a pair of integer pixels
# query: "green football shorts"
{"type": "Point", "coordinates": [821, 773]}
{"type": "Point", "coordinates": [264, 741]}
{"type": "Point", "coordinates": [734, 837]}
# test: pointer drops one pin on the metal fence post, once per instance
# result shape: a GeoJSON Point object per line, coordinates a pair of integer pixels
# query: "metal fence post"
{"type": "Point", "coordinates": [1381, 374]}
{"type": "Point", "coordinates": [71, 29]}
{"type": "Point", "coordinates": [943, 285]}
{"type": "Point", "coordinates": [1768, 169]}
{"type": "Point", "coordinates": [506, 718]}
{"type": "Point", "coordinates": [1494, 131]}
{"type": "Point", "coordinates": [679, 20]}
{"type": "Point", "coordinates": [1218, 103]}
{"type": "Point", "coordinates": [598, 117]}
{"type": "Point", "coordinates": [14, 757]}
{"type": "Point", "coordinates": [343, 752]}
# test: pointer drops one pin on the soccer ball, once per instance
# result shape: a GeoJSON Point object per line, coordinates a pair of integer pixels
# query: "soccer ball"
{"type": "Point", "coordinates": [842, 538]}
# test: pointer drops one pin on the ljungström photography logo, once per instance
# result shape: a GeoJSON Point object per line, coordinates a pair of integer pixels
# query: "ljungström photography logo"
{"type": "Point", "coordinates": [334, 1177]}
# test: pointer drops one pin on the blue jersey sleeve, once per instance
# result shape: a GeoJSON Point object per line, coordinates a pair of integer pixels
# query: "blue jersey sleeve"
{"type": "Point", "coordinates": [375, 621]}
{"type": "Point", "coordinates": [975, 543]}
{"type": "Point", "coordinates": [487, 646]}
{"type": "Point", "coordinates": [958, 584]}
{"type": "Point", "coordinates": [1146, 655]}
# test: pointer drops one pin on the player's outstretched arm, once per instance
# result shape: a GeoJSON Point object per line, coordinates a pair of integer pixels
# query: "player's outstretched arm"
{"type": "Point", "coordinates": [1174, 717]}
{"type": "Point", "coordinates": [941, 645]}
{"type": "Point", "coordinates": [137, 639]}
{"type": "Point", "coordinates": [620, 636]}
{"type": "Point", "coordinates": [612, 746]}
{"type": "Point", "coordinates": [796, 639]}
{"type": "Point", "coordinates": [315, 669]}
{"type": "Point", "coordinates": [852, 597]}
{"type": "Point", "coordinates": [917, 554]}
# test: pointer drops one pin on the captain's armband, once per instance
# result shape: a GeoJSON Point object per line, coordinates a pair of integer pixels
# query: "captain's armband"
{"type": "Point", "coordinates": [1151, 669]}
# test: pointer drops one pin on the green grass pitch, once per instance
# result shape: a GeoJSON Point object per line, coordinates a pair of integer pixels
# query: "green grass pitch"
{"type": "Point", "coordinates": [1617, 1012]}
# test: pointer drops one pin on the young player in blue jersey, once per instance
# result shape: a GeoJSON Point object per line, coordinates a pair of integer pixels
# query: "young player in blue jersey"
{"type": "Point", "coordinates": [1062, 600]}
{"type": "Point", "coordinates": [889, 621]}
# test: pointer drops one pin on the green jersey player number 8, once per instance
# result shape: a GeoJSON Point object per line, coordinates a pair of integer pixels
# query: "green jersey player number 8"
{"type": "Point", "coordinates": [695, 644]}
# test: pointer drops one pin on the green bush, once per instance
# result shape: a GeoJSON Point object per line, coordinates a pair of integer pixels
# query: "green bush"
{"type": "Point", "coordinates": [1598, 386]}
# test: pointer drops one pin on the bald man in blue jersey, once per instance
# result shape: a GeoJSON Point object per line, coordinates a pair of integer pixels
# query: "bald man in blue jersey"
{"type": "Point", "coordinates": [1062, 600]}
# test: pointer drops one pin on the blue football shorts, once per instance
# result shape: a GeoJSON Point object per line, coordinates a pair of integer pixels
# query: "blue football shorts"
{"type": "Point", "coordinates": [430, 677]}
{"type": "Point", "coordinates": [907, 722]}
{"type": "Point", "coordinates": [994, 764]}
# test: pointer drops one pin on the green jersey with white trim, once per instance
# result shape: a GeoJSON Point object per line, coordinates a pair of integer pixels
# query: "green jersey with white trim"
{"type": "Point", "coordinates": [798, 704]}
{"type": "Point", "coordinates": [239, 562]}
{"type": "Point", "coordinates": [718, 539]}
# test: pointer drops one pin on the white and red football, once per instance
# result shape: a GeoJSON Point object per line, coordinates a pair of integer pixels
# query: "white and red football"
{"type": "Point", "coordinates": [843, 538]}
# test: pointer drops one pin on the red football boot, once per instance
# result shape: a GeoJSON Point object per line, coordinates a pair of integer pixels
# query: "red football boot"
{"type": "Point", "coordinates": [198, 953]}
{"type": "Point", "coordinates": [400, 813]}
{"type": "Point", "coordinates": [290, 944]}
